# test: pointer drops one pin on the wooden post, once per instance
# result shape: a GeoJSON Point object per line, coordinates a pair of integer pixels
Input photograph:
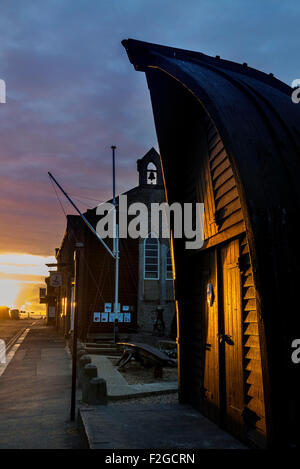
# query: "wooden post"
{"type": "Point", "coordinates": [75, 331]}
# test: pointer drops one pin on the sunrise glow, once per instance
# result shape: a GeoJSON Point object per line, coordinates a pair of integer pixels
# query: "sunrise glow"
{"type": "Point", "coordinates": [21, 275]}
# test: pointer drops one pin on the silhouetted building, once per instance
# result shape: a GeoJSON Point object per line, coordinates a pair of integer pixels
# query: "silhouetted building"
{"type": "Point", "coordinates": [145, 278]}
{"type": "Point", "coordinates": [229, 137]}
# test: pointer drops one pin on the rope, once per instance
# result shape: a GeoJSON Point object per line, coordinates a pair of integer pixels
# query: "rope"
{"type": "Point", "coordinates": [76, 239]}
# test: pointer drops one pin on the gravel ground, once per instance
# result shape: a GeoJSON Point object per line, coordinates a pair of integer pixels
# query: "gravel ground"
{"type": "Point", "coordinates": [135, 373]}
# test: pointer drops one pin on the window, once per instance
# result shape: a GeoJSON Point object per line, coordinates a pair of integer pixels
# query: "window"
{"type": "Point", "coordinates": [151, 174]}
{"type": "Point", "coordinates": [151, 257]}
{"type": "Point", "coordinates": [169, 268]}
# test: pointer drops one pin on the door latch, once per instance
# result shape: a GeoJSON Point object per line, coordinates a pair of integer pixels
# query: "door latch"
{"type": "Point", "coordinates": [225, 338]}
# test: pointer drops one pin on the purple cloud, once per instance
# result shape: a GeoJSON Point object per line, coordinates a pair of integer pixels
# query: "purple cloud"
{"type": "Point", "coordinates": [71, 93]}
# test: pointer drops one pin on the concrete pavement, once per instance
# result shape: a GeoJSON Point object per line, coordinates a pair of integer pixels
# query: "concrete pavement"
{"type": "Point", "coordinates": [136, 425]}
{"type": "Point", "coordinates": [117, 386]}
{"type": "Point", "coordinates": [35, 406]}
{"type": "Point", "coordinates": [139, 426]}
{"type": "Point", "coordinates": [35, 395]}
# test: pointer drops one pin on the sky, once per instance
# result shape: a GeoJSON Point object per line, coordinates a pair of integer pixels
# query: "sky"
{"type": "Point", "coordinates": [72, 93]}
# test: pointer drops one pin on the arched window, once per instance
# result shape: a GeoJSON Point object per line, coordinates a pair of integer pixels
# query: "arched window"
{"type": "Point", "coordinates": [169, 268]}
{"type": "Point", "coordinates": [151, 174]}
{"type": "Point", "coordinates": [151, 257]}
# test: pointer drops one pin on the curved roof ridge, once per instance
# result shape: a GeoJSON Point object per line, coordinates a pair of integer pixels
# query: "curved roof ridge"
{"type": "Point", "coordinates": [139, 52]}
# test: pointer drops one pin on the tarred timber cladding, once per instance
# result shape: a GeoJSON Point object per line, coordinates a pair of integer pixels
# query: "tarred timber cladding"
{"type": "Point", "coordinates": [227, 206]}
{"type": "Point", "coordinates": [254, 392]}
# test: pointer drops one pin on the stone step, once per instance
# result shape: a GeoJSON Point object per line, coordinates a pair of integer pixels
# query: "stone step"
{"type": "Point", "coordinates": [103, 351]}
{"type": "Point", "coordinates": [99, 345]}
{"type": "Point", "coordinates": [105, 336]}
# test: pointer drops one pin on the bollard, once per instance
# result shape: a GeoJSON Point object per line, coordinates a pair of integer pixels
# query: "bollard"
{"type": "Point", "coordinates": [84, 360]}
{"type": "Point", "coordinates": [89, 371]}
{"type": "Point", "coordinates": [97, 392]}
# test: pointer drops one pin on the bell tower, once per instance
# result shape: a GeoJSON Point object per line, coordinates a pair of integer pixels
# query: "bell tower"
{"type": "Point", "coordinates": [149, 169]}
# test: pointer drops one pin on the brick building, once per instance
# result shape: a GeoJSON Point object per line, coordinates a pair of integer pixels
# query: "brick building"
{"type": "Point", "coordinates": [145, 278]}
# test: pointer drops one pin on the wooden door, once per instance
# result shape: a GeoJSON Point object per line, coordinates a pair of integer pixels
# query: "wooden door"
{"type": "Point", "coordinates": [231, 338]}
{"type": "Point", "coordinates": [211, 398]}
{"type": "Point", "coordinates": [202, 345]}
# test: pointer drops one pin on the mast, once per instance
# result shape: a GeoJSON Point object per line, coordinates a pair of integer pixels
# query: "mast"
{"type": "Point", "coordinates": [82, 216]}
{"type": "Point", "coordinates": [115, 252]}
{"type": "Point", "coordinates": [115, 245]}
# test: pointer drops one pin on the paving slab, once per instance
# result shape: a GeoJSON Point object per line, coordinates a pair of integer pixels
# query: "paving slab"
{"type": "Point", "coordinates": [117, 386]}
{"type": "Point", "coordinates": [35, 395]}
{"type": "Point", "coordinates": [138, 426]}
{"type": "Point", "coordinates": [107, 371]}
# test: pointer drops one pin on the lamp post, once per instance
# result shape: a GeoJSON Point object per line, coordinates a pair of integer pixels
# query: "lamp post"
{"type": "Point", "coordinates": [75, 330]}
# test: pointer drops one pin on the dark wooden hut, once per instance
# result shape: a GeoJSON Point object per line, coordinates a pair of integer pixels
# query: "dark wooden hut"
{"type": "Point", "coordinates": [96, 278]}
{"type": "Point", "coordinates": [229, 136]}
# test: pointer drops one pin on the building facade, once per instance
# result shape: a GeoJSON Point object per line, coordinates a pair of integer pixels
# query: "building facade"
{"type": "Point", "coordinates": [145, 269]}
{"type": "Point", "coordinates": [239, 132]}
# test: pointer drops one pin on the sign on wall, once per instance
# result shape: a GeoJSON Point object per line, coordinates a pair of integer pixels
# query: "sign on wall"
{"type": "Point", "coordinates": [123, 315]}
{"type": "Point", "coordinates": [127, 317]}
{"type": "Point", "coordinates": [51, 312]}
{"type": "Point", "coordinates": [55, 279]}
{"type": "Point", "coordinates": [104, 317]}
{"type": "Point", "coordinates": [111, 317]}
{"type": "Point", "coordinates": [97, 317]}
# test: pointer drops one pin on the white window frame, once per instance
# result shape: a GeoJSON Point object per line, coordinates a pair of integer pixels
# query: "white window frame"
{"type": "Point", "coordinates": [167, 278]}
{"type": "Point", "coordinates": [158, 257]}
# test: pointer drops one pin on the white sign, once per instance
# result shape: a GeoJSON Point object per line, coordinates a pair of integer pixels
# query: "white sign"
{"type": "Point", "coordinates": [104, 317]}
{"type": "Point", "coordinates": [127, 317]}
{"type": "Point", "coordinates": [55, 279]}
{"type": "Point", "coordinates": [51, 312]}
{"type": "Point", "coordinates": [97, 317]}
{"type": "Point", "coordinates": [107, 307]}
{"type": "Point", "coordinates": [111, 317]}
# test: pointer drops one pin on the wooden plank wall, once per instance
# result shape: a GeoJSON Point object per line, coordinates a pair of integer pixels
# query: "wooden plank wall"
{"type": "Point", "coordinates": [224, 199]}
{"type": "Point", "coordinates": [209, 178]}
{"type": "Point", "coordinates": [254, 413]}
{"type": "Point", "coordinates": [222, 190]}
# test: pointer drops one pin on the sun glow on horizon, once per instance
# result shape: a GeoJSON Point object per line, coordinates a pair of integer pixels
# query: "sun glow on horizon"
{"type": "Point", "coordinates": [9, 290]}
{"type": "Point", "coordinates": [20, 278]}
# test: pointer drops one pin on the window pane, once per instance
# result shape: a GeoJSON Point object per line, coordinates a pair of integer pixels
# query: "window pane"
{"type": "Point", "coordinates": [151, 257]}
{"type": "Point", "coordinates": [169, 270]}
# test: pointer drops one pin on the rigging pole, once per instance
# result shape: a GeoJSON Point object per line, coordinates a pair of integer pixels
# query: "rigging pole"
{"type": "Point", "coordinates": [115, 246]}
{"type": "Point", "coordinates": [81, 214]}
{"type": "Point", "coordinates": [114, 254]}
